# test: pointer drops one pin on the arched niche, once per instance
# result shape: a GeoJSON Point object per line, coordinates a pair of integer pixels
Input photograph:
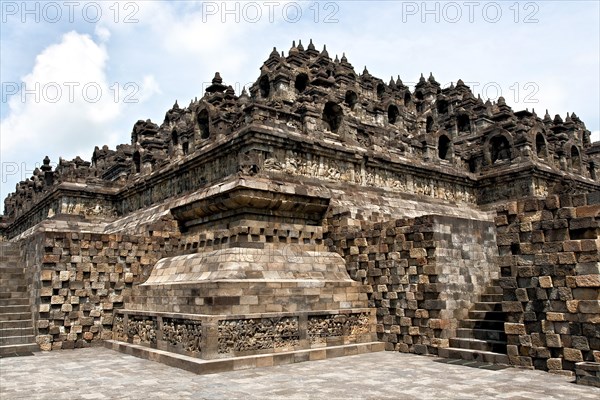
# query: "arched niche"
{"type": "Point", "coordinates": [442, 107]}
{"type": "Point", "coordinates": [499, 148]}
{"type": "Point", "coordinates": [203, 124]}
{"type": "Point", "coordinates": [301, 82]}
{"type": "Point", "coordinates": [137, 162]}
{"type": "Point", "coordinates": [351, 99]}
{"type": "Point", "coordinates": [463, 123]}
{"type": "Point", "coordinates": [264, 86]}
{"type": "Point", "coordinates": [393, 113]}
{"type": "Point", "coordinates": [333, 115]}
{"type": "Point", "coordinates": [380, 90]}
{"type": "Point", "coordinates": [541, 149]}
{"type": "Point", "coordinates": [575, 159]}
{"type": "Point", "coordinates": [444, 147]}
{"type": "Point", "coordinates": [429, 124]}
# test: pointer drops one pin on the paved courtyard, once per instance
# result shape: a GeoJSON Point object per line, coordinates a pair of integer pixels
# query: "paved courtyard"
{"type": "Point", "coordinates": [99, 373]}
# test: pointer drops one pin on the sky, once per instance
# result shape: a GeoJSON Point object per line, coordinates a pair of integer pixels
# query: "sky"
{"type": "Point", "coordinates": [79, 74]}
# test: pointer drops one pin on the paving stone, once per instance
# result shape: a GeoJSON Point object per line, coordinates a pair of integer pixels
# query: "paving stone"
{"type": "Point", "coordinates": [112, 375]}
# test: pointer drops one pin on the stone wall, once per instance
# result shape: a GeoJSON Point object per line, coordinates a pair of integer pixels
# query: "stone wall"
{"type": "Point", "coordinates": [80, 278]}
{"type": "Point", "coordinates": [227, 335]}
{"type": "Point", "coordinates": [422, 274]}
{"type": "Point", "coordinates": [550, 274]}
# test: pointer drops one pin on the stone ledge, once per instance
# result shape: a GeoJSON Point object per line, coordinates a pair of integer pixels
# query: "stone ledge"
{"type": "Point", "coordinates": [588, 373]}
{"type": "Point", "coordinates": [201, 367]}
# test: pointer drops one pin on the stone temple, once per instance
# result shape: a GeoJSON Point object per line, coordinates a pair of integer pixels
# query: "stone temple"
{"type": "Point", "coordinates": [320, 213]}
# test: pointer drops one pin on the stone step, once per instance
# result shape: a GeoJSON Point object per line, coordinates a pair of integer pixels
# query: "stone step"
{"type": "Point", "coordinates": [482, 324]}
{"type": "Point", "coordinates": [11, 258]}
{"type": "Point", "coordinates": [18, 349]}
{"type": "Point", "coordinates": [11, 269]}
{"type": "Point", "coordinates": [16, 294]}
{"type": "Point", "coordinates": [15, 309]}
{"type": "Point", "coordinates": [7, 249]}
{"type": "Point", "coordinates": [487, 306]}
{"type": "Point", "coordinates": [10, 281]}
{"type": "Point", "coordinates": [17, 301]}
{"type": "Point", "coordinates": [477, 344]}
{"type": "Point", "coordinates": [497, 298]}
{"type": "Point", "coordinates": [482, 334]}
{"type": "Point", "coordinates": [201, 366]}
{"type": "Point", "coordinates": [13, 289]}
{"type": "Point", "coordinates": [17, 324]}
{"type": "Point", "coordinates": [5, 332]}
{"type": "Point", "coordinates": [473, 355]}
{"type": "Point", "coordinates": [19, 339]}
{"type": "Point", "coordinates": [487, 315]}
{"type": "Point", "coordinates": [494, 290]}
{"type": "Point", "coordinates": [15, 316]}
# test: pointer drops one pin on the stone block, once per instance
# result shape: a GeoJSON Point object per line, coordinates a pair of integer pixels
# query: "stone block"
{"type": "Point", "coordinates": [512, 306]}
{"type": "Point", "coordinates": [580, 343]}
{"type": "Point", "coordinates": [545, 281]}
{"type": "Point", "coordinates": [587, 268]}
{"type": "Point", "coordinates": [567, 258]}
{"type": "Point", "coordinates": [554, 363]}
{"type": "Point", "coordinates": [514, 328]}
{"type": "Point", "coordinates": [573, 355]}
{"type": "Point", "coordinates": [572, 245]}
{"type": "Point", "coordinates": [588, 280]}
{"type": "Point", "coordinates": [553, 340]}
{"type": "Point", "coordinates": [589, 306]}
{"type": "Point", "coordinates": [554, 316]}
{"type": "Point", "coordinates": [586, 293]}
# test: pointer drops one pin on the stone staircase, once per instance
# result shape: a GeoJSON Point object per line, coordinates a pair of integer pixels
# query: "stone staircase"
{"type": "Point", "coordinates": [16, 323]}
{"type": "Point", "coordinates": [481, 337]}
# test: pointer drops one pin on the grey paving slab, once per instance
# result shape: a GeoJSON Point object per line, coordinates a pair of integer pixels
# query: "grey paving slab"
{"type": "Point", "coordinates": [99, 373]}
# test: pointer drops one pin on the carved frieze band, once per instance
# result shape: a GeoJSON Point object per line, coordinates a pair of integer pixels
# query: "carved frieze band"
{"type": "Point", "coordinates": [186, 334]}
{"type": "Point", "coordinates": [258, 334]}
{"type": "Point", "coordinates": [321, 327]}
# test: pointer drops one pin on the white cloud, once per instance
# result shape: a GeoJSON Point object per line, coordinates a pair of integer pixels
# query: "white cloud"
{"type": "Point", "coordinates": [65, 105]}
{"type": "Point", "coordinates": [595, 136]}
{"type": "Point", "coordinates": [150, 86]}
{"type": "Point", "coordinates": [102, 32]}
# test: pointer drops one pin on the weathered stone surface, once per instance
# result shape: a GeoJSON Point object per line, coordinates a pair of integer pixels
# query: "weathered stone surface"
{"type": "Point", "coordinates": [557, 295]}
{"type": "Point", "coordinates": [319, 194]}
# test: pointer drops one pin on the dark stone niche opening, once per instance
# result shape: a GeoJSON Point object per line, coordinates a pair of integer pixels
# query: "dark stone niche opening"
{"type": "Point", "coordinates": [301, 82]}
{"type": "Point", "coordinates": [575, 159]}
{"type": "Point", "coordinates": [429, 125]}
{"type": "Point", "coordinates": [264, 86]}
{"type": "Point", "coordinates": [203, 124]}
{"type": "Point", "coordinates": [463, 123]}
{"type": "Point", "coordinates": [393, 113]}
{"type": "Point", "coordinates": [333, 116]}
{"type": "Point", "coordinates": [351, 99]}
{"type": "Point", "coordinates": [499, 149]}
{"type": "Point", "coordinates": [540, 145]}
{"type": "Point", "coordinates": [137, 162]}
{"type": "Point", "coordinates": [444, 147]}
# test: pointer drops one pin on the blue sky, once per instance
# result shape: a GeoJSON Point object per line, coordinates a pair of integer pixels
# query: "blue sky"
{"type": "Point", "coordinates": [79, 74]}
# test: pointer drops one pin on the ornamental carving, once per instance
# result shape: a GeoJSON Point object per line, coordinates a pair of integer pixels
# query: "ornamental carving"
{"type": "Point", "coordinates": [186, 334]}
{"type": "Point", "coordinates": [321, 327]}
{"type": "Point", "coordinates": [258, 334]}
{"type": "Point", "coordinates": [141, 330]}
